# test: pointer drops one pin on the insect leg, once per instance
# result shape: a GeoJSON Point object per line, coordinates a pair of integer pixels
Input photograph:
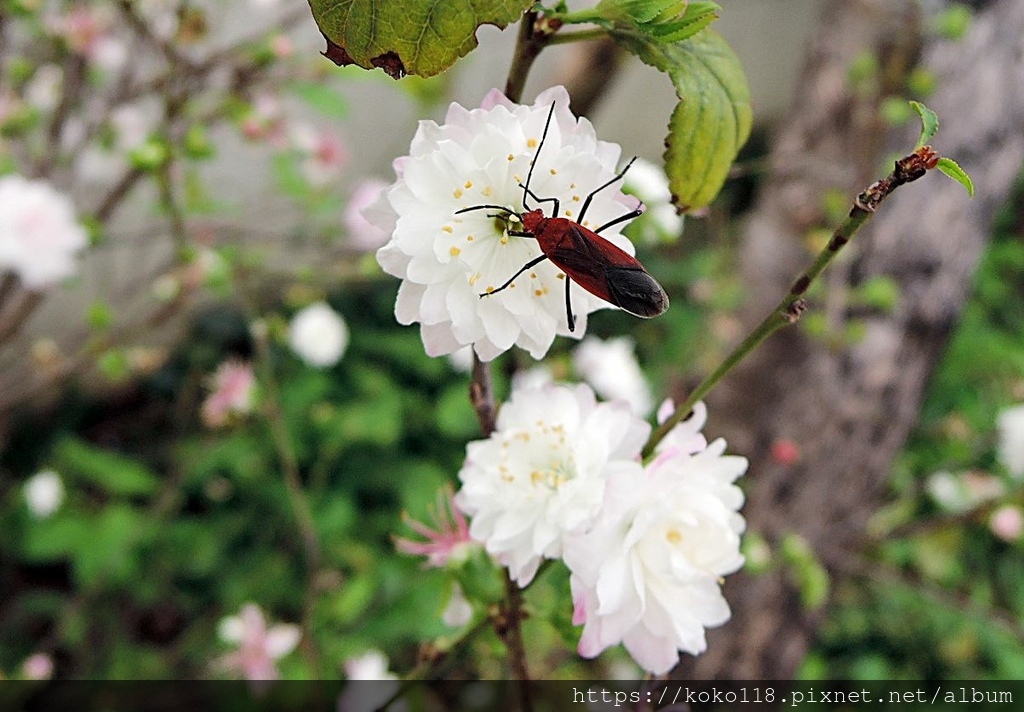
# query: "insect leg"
{"type": "Point", "coordinates": [512, 279]}
{"type": "Point", "coordinates": [622, 218]}
{"type": "Point", "coordinates": [586, 203]}
{"type": "Point", "coordinates": [568, 305]}
{"type": "Point", "coordinates": [554, 213]}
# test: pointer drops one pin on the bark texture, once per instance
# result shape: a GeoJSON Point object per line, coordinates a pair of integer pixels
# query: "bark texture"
{"type": "Point", "coordinates": [850, 407]}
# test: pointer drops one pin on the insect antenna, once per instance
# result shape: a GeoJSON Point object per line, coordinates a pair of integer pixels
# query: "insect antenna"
{"type": "Point", "coordinates": [487, 207]}
{"type": "Point", "coordinates": [533, 163]}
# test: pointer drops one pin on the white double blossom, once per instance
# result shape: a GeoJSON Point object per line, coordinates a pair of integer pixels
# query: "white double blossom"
{"type": "Point", "coordinates": [540, 476]}
{"type": "Point", "coordinates": [647, 572]}
{"type": "Point", "coordinates": [447, 260]}
{"type": "Point", "coordinates": [39, 235]}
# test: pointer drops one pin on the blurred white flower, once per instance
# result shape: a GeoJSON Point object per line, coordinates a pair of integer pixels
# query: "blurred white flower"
{"type": "Point", "coordinates": [459, 611]}
{"type": "Point", "coordinates": [446, 260]}
{"type": "Point", "coordinates": [462, 359]}
{"type": "Point", "coordinates": [1007, 523]}
{"type": "Point", "coordinates": [232, 392]}
{"type": "Point", "coordinates": [660, 220]}
{"type": "Point", "coordinates": [38, 666]}
{"type": "Point", "coordinates": [963, 491]}
{"type": "Point", "coordinates": [1010, 427]}
{"type": "Point", "coordinates": [541, 475]}
{"type": "Point", "coordinates": [534, 377]}
{"type": "Point", "coordinates": [648, 572]}
{"type": "Point", "coordinates": [362, 233]}
{"type": "Point", "coordinates": [259, 646]}
{"type": "Point", "coordinates": [611, 368]}
{"type": "Point", "coordinates": [43, 90]}
{"type": "Point", "coordinates": [39, 235]}
{"type": "Point", "coordinates": [371, 665]}
{"type": "Point", "coordinates": [318, 335]}
{"type": "Point", "coordinates": [44, 493]}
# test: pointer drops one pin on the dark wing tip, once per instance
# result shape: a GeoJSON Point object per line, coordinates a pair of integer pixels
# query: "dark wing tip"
{"type": "Point", "coordinates": [635, 291]}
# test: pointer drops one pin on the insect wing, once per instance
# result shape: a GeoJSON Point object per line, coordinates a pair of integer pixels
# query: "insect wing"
{"type": "Point", "coordinates": [608, 272]}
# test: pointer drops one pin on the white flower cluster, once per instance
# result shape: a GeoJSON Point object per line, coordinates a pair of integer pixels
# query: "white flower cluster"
{"type": "Point", "coordinates": [646, 545]}
{"type": "Point", "coordinates": [446, 260]}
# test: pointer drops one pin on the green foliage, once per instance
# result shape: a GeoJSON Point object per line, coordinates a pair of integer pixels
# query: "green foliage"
{"type": "Point", "coordinates": [929, 122]}
{"type": "Point", "coordinates": [422, 37]}
{"type": "Point", "coordinates": [952, 169]}
{"type": "Point", "coordinates": [941, 598]}
{"type": "Point", "coordinates": [663, 20]}
{"type": "Point", "coordinates": [713, 118]}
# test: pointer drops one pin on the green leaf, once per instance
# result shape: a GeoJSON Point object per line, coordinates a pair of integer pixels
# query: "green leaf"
{"type": "Point", "coordinates": [929, 122]}
{"type": "Point", "coordinates": [713, 118]}
{"type": "Point", "coordinates": [422, 37]}
{"type": "Point", "coordinates": [664, 20]}
{"type": "Point", "coordinates": [952, 169]}
{"type": "Point", "coordinates": [111, 472]}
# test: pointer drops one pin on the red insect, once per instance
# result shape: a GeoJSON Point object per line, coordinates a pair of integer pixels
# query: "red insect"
{"type": "Point", "coordinates": [601, 268]}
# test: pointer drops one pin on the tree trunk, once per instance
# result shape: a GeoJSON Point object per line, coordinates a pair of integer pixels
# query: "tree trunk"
{"type": "Point", "coordinates": [850, 406]}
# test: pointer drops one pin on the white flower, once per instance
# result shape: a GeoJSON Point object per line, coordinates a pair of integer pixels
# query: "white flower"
{"type": "Point", "coordinates": [39, 236]}
{"type": "Point", "coordinates": [963, 491]}
{"type": "Point", "coordinates": [446, 260]}
{"type": "Point", "coordinates": [1010, 425]}
{"type": "Point", "coordinates": [44, 493]}
{"type": "Point", "coordinates": [660, 220]}
{"type": "Point", "coordinates": [318, 335]}
{"type": "Point", "coordinates": [647, 573]}
{"type": "Point", "coordinates": [541, 474]}
{"type": "Point", "coordinates": [258, 645]}
{"type": "Point", "coordinates": [371, 665]}
{"type": "Point", "coordinates": [611, 368]}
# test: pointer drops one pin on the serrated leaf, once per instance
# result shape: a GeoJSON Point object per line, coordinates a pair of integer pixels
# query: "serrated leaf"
{"type": "Point", "coordinates": [665, 20]}
{"type": "Point", "coordinates": [713, 118]}
{"type": "Point", "coordinates": [929, 122]}
{"type": "Point", "coordinates": [952, 169]}
{"type": "Point", "coordinates": [422, 37]}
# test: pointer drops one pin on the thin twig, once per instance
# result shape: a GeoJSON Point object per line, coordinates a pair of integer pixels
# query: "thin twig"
{"type": "Point", "coordinates": [788, 311]}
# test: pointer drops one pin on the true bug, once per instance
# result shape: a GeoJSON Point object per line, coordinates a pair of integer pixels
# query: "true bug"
{"type": "Point", "coordinates": [601, 268]}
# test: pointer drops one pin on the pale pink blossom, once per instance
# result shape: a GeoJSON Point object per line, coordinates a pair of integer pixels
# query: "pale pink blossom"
{"type": "Point", "coordinates": [258, 646]}
{"type": "Point", "coordinates": [323, 153]}
{"type": "Point", "coordinates": [1007, 522]}
{"type": "Point", "coordinates": [38, 666]}
{"type": "Point", "coordinates": [448, 539]}
{"type": "Point", "coordinates": [232, 393]}
{"type": "Point", "coordinates": [361, 232]}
